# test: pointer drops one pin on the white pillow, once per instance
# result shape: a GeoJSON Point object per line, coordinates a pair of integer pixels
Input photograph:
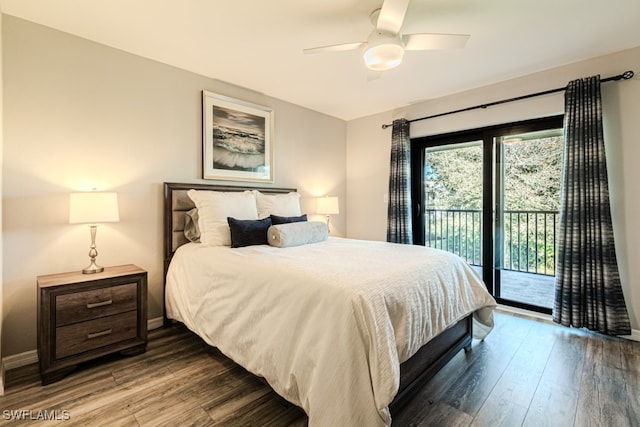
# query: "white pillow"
{"type": "Point", "coordinates": [191, 229]}
{"type": "Point", "coordinates": [214, 207]}
{"type": "Point", "coordinates": [278, 204]}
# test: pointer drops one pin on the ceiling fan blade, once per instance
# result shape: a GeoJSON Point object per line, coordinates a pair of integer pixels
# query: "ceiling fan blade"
{"type": "Point", "coordinates": [392, 15]}
{"type": "Point", "coordinates": [334, 48]}
{"type": "Point", "coordinates": [434, 41]}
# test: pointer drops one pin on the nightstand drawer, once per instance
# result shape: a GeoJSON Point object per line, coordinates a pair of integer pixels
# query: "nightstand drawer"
{"type": "Point", "coordinates": [81, 337]}
{"type": "Point", "coordinates": [88, 305]}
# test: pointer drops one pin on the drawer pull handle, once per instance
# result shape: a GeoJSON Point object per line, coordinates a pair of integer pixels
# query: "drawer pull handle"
{"type": "Point", "coordinates": [99, 334]}
{"type": "Point", "coordinates": [99, 304]}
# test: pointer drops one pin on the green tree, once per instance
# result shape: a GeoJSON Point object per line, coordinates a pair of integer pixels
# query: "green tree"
{"type": "Point", "coordinates": [532, 176]}
{"type": "Point", "coordinates": [453, 178]}
{"type": "Point", "coordinates": [531, 182]}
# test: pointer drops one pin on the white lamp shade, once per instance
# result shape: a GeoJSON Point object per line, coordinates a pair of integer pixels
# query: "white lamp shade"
{"type": "Point", "coordinates": [328, 205]}
{"type": "Point", "coordinates": [93, 207]}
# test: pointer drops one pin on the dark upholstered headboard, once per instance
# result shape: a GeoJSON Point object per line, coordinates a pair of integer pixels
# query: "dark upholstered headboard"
{"type": "Point", "coordinates": [176, 203]}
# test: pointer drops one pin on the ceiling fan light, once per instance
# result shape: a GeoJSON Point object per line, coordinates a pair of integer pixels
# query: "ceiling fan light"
{"type": "Point", "coordinates": [383, 51]}
{"type": "Point", "coordinates": [383, 56]}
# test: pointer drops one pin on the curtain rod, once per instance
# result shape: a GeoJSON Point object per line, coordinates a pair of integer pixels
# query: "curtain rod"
{"type": "Point", "coordinates": [624, 76]}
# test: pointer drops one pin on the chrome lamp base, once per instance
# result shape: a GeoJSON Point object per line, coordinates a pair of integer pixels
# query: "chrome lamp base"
{"type": "Point", "coordinates": [93, 268]}
{"type": "Point", "coordinates": [93, 254]}
{"type": "Point", "coordinates": [328, 226]}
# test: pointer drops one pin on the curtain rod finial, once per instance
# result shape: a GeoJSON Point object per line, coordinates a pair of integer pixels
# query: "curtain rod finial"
{"type": "Point", "coordinates": [385, 126]}
{"type": "Point", "coordinates": [627, 75]}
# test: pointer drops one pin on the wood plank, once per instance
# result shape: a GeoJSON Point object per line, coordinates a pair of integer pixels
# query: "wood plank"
{"type": "Point", "coordinates": [603, 398]}
{"type": "Point", "coordinates": [118, 395]}
{"type": "Point", "coordinates": [500, 412]}
{"type": "Point", "coordinates": [60, 393]}
{"type": "Point", "coordinates": [196, 417]}
{"type": "Point", "coordinates": [434, 414]}
{"type": "Point", "coordinates": [111, 415]}
{"type": "Point", "coordinates": [243, 405]}
{"type": "Point", "coordinates": [632, 385]}
{"type": "Point", "coordinates": [552, 406]}
{"type": "Point", "coordinates": [269, 411]}
{"type": "Point", "coordinates": [566, 361]}
{"type": "Point", "coordinates": [630, 356]}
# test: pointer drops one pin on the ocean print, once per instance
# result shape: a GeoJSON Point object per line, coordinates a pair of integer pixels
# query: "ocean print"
{"type": "Point", "coordinates": [238, 140]}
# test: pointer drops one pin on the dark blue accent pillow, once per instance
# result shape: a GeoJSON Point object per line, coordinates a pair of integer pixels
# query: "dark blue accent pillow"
{"type": "Point", "coordinates": [247, 232]}
{"type": "Point", "coordinates": [276, 220]}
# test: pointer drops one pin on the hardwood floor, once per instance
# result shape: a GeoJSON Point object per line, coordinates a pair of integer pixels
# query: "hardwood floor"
{"type": "Point", "coordinates": [526, 373]}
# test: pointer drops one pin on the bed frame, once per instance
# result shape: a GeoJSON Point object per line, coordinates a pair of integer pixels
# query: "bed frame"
{"type": "Point", "coordinates": [414, 373]}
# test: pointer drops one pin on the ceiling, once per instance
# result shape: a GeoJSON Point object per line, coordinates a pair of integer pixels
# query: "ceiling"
{"type": "Point", "coordinates": [257, 44]}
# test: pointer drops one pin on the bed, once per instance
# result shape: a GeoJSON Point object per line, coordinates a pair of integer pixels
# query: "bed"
{"type": "Point", "coordinates": [317, 330]}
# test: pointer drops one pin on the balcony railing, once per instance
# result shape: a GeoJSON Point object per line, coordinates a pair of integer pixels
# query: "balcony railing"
{"type": "Point", "coordinates": [528, 237]}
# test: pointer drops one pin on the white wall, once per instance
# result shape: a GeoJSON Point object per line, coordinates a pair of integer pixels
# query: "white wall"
{"type": "Point", "coordinates": [368, 148]}
{"type": "Point", "coordinates": [78, 115]}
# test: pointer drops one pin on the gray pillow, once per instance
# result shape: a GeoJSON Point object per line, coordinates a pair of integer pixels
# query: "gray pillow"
{"type": "Point", "coordinates": [297, 233]}
{"type": "Point", "coordinates": [191, 230]}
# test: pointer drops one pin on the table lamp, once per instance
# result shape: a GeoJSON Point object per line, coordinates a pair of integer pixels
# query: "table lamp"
{"type": "Point", "coordinates": [328, 206]}
{"type": "Point", "coordinates": [93, 208]}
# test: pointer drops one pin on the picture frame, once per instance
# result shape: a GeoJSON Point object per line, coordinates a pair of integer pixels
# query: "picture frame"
{"type": "Point", "coordinates": [237, 139]}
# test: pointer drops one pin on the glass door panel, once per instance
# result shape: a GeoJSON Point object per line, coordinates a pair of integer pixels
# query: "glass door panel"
{"type": "Point", "coordinates": [452, 176]}
{"type": "Point", "coordinates": [529, 168]}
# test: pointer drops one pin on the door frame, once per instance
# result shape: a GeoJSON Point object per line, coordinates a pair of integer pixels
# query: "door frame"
{"type": "Point", "coordinates": [488, 135]}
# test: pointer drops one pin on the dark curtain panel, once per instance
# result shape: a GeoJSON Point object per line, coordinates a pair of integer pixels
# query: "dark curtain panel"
{"type": "Point", "coordinates": [399, 209]}
{"type": "Point", "coordinates": [588, 289]}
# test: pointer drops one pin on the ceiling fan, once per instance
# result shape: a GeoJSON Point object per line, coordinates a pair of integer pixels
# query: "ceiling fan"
{"type": "Point", "coordinates": [385, 46]}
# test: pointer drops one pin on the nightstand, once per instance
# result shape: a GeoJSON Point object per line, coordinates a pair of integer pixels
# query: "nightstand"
{"type": "Point", "coordinates": [85, 316]}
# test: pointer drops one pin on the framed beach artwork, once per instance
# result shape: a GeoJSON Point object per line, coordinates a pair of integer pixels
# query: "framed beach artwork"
{"type": "Point", "coordinates": [237, 141]}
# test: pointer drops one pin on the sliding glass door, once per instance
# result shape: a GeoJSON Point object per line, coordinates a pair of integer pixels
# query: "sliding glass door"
{"type": "Point", "coordinates": [452, 214]}
{"type": "Point", "coordinates": [491, 196]}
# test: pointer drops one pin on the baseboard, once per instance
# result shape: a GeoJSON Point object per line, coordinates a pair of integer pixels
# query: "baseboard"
{"type": "Point", "coordinates": [31, 356]}
{"type": "Point", "coordinates": [635, 333]}
{"type": "Point", "coordinates": [19, 360]}
{"type": "Point", "coordinates": [155, 323]}
{"type": "Point", "coordinates": [1, 378]}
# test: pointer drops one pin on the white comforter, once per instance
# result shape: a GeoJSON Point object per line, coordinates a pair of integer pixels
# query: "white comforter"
{"type": "Point", "coordinates": [326, 324]}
